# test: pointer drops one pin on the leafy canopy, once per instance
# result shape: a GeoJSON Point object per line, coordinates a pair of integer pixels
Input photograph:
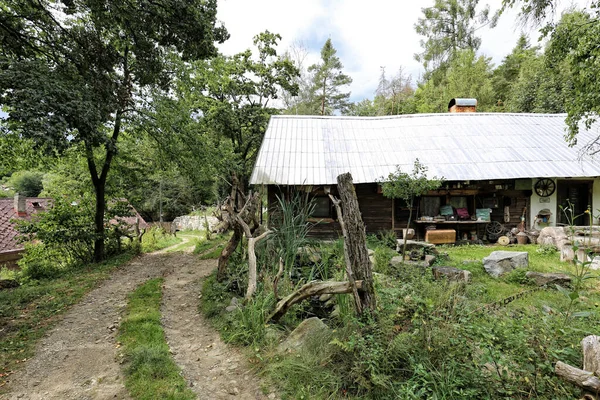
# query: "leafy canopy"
{"type": "Point", "coordinates": [407, 186]}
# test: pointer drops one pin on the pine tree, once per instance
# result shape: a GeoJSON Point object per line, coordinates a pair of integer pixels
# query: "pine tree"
{"type": "Point", "coordinates": [327, 80]}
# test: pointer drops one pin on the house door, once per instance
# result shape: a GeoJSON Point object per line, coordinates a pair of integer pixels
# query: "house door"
{"type": "Point", "coordinates": [575, 194]}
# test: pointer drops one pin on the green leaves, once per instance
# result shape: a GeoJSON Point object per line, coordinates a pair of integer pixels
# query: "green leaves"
{"type": "Point", "coordinates": [405, 186]}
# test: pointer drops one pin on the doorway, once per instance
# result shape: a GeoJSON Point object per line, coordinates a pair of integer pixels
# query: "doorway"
{"type": "Point", "coordinates": [578, 195]}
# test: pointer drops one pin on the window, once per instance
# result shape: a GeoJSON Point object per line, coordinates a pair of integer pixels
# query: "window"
{"type": "Point", "coordinates": [322, 207]}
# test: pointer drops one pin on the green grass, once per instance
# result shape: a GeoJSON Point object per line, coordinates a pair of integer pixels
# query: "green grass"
{"type": "Point", "coordinates": [27, 312]}
{"type": "Point", "coordinates": [193, 237]}
{"type": "Point", "coordinates": [427, 339]}
{"type": "Point", "coordinates": [151, 373]}
{"type": "Point", "coordinates": [210, 249]}
{"type": "Point", "coordinates": [155, 239]}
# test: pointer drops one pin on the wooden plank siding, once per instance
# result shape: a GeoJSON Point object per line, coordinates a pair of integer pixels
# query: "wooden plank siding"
{"type": "Point", "coordinates": [378, 211]}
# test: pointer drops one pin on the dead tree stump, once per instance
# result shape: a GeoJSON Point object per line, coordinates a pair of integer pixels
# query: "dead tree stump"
{"type": "Point", "coordinates": [355, 243]}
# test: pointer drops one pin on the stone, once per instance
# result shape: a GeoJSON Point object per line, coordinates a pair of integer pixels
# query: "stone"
{"type": "Point", "coordinates": [312, 328]}
{"type": "Point", "coordinates": [234, 301]}
{"type": "Point", "coordinates": [413, 245]}
{"type": "Point", "coordinates": [595, 265]}
{"type": "Point", "coordinates": [553, 235]}
{"type": "Point", "coordinates": [452, 274]}
{"type": "Point", "coordinates": [429, 260]}
{"type": "Point", "coordinates": [499, 263]}
{"type": "Point", "coordinates": [272, 334]}
{"type": "Point", "coordinates": [547, 309]}
{"type": "Point", "coordinates": [231, 308]}
{"type": "Point", "coordinates": [325, 297]}
{"type": "Point", "coordinates": [310, 253]}
{"type": "Point", "coordinates": [541, 278]}
{"type": "Point", "coordinates": [396, 261]}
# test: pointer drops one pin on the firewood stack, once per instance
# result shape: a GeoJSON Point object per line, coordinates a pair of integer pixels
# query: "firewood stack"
{"type": "Point", "coordinates": [587, 378]}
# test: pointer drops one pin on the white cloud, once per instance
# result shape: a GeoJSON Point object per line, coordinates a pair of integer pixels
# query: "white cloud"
{"type": "Point", "coordinates": [367, 35]}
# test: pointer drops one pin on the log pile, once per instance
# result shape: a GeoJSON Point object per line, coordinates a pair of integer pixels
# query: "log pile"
{"type": "Point", "coordinates": [587, 378]}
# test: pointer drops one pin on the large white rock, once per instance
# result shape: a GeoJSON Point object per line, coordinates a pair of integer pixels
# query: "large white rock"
{"type": "Point", "coordinates": [501, 262]}
{"type": "Point", "coordinates": [309, 329]}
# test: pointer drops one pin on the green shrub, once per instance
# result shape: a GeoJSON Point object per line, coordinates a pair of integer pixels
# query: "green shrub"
{"type": "Point", "coordinates": [41, 262]}
{"type": "Point", "coordinates": [383, 256]}
{"type": "Point", "coordinates": [27, 183]}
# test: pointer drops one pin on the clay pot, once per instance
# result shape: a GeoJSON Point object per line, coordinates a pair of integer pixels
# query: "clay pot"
{"type": "Point", "coordinates": [522, 238]}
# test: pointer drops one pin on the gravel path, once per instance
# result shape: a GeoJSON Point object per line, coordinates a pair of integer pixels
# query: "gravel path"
{"type": "Point", "coordinates": [78, 358]}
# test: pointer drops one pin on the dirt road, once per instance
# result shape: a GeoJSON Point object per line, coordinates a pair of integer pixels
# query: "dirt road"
{"type": "Point", "coordinates": [78, 358]}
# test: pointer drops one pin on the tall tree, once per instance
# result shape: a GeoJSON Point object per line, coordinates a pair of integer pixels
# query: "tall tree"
{"type": "Point", "coordinates": [575, 39]}
{"type": "Point", "coordinates": [393, 94]}
{"type": "Point", "coordinates": [70, 71]}
{"type": "Point", "coordinates": [449, 26]}
{"type": "Point", "coordinates": [327, 81]}
{"type": "Point", "coordinates": [223, 106]}
{"type": "Point", "coordinates": [507, 73]}
{"type": "Point", "coordinates": [466, 76]}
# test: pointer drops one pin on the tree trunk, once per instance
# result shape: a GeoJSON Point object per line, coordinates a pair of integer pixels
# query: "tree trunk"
{"type": "Point", "coordinates": [591, 354]}
{"type": "Point", "coordinates": [309, 290]}
{"type": "Point", "coordinates": [252, 258]}
{"type": "Point", "coordinates": [227, 251]}
{"type": "Point", "coordinates": [99, 187]}
{"type": "Point", "coordinates": [584, 379]}
{"type": "Point", "coordinates": [404, 237]}
{"type": "Point", "coordinates": [355, 241]}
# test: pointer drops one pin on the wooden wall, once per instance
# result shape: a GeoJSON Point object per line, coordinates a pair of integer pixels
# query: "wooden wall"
{"type": "Point", "coordinates": [9, 258]}
{"type": "Point", "coordinates": [377, 210]}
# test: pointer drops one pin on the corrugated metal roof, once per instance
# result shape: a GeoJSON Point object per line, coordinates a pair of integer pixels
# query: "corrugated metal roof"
{"type": "Point", "coordinates": [314, 150]}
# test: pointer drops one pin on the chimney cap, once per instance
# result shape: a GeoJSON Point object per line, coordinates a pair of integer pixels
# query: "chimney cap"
{"type": "Point", "coordinates": [462, 103]}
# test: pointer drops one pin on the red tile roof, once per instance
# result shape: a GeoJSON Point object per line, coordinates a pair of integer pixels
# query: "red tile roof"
{"type": "Point", "coordinates": [8, 234]}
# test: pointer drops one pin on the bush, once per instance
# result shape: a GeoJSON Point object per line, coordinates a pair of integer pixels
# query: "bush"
{"type": "Point", "coordinates": [383, 256]}
{"type": "Point", "coordinates": [41, 262]}
{"type": "Point", "coordinates": [27, 183]}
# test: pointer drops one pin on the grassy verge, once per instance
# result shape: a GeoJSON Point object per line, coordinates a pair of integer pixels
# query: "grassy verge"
{"type": "Point", "coordinates": [190, 240]}
{"type": "Point", "coordinates": [151, 373]}
{"type": "Point", "coordinates": [427, 338]}
{"type": "Point", "coordinates": [208, 249]}
{"type": "Point", "coordinates": [157, 239]}
{"type": "Point", "coordinates": [28, 311]}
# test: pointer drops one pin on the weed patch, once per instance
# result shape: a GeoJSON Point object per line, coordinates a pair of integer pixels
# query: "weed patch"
{"type": "Point", "coordinates": [491, 338]}
{"type": "Point", "coordinates": [151, 373]}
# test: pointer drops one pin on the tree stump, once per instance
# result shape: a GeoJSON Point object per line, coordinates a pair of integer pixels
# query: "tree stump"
{"type": "Point", "coordinates": [355, 242]}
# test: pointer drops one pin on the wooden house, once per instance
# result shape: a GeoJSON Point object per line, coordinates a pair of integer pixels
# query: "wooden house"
{"type": "Point", "coordinates": [515, 167]}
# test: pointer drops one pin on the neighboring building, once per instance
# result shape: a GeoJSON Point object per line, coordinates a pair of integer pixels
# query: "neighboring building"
{"type": "Point", "coordinates": [21, 207]}
{"type": "Point", "coordinates": [12, 209]}
{"type": "Point", "coordinates": [513, 164]}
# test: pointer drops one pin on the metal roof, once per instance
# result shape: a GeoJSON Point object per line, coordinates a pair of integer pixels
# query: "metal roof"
{"type": "Point", "coordinates": [314, 150]}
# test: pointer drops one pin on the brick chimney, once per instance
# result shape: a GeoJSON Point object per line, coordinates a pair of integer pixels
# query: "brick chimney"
{"type": "Point", "coordinates": [20, 205]}
{"type": "Point", "coordinates": [462, 105]}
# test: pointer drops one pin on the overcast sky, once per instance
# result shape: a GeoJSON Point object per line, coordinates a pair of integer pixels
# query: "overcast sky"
{"type": "Point", "coordinates": [366, 34]}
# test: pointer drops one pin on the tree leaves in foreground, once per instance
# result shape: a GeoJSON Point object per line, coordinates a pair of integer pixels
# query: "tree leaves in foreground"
{"type": "Point", "coordinates": [576, 40]}
{"type": "Point", "coordinates": [70, 71]}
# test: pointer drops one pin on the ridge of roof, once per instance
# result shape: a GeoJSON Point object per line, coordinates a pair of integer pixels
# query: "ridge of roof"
{"type": "Point", "coordinates": [422, 115]}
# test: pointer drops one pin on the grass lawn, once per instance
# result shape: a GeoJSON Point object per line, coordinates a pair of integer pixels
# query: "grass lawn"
{"type": "Point", "coordinates": [28, 311]}
{"type": "Point", "coordinates": [151, 373]}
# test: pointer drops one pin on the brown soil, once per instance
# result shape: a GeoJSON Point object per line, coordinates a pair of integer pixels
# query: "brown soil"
{"type": "Point", "coordinates": [78, 358]}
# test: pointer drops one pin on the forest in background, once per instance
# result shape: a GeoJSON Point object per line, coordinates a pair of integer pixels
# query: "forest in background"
{"type": "Point", "coordinates": [171, 127]}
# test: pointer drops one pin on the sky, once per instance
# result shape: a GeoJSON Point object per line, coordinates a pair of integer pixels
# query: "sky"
{"type": "Point", "coordinates": [366, 34]}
